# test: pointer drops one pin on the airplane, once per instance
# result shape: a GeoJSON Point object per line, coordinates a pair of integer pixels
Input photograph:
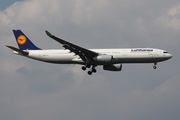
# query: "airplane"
{"type": "Point", "coordinates": [110, 59]}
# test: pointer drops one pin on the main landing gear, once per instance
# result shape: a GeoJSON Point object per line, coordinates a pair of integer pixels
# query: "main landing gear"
{"type": "Point", "coordinates": [155, 65]}
{"type": "Point", "coordinates": [92, 70]}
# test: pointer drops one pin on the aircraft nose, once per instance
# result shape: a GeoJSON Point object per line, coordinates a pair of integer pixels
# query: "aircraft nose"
{"type": "Point", "coordinates": [170, 56]}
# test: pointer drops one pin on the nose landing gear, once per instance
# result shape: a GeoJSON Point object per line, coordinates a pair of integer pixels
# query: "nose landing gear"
{"type": "Point", "coordinates": [155, 65]}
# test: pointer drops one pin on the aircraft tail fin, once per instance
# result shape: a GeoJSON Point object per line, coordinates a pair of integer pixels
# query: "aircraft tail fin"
{"type": "Point", "coordinates": [23, 41]}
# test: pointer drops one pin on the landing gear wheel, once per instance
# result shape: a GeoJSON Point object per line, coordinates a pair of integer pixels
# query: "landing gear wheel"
{"type": "Point", "coordinates": [89, 72]}
{"type": "Point", "coordinates": [94, 70]}
{"type": "Point", "coordinates": [154, 67]}
{"type": "Point", "coordinates": [83, 68]}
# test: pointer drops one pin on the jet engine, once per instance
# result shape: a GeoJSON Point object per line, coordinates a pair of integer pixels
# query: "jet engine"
{"type": "Point", "coordinates": [103, 58]}
{"type": "Point", "coordinates": [113, 67]}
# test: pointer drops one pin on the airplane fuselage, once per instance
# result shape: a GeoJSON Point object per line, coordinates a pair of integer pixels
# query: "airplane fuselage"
{"type": "Point", "coordinates": [128, 55]}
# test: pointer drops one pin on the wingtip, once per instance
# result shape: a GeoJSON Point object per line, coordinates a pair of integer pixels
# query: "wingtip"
{"type": "Point", "coordinates": [48, 33]}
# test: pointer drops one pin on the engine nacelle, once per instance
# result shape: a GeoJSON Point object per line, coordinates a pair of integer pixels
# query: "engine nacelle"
{"type": "Point", "coordinates": [113, 67]}
{"type": "Point", "coordinates": [103, 58]}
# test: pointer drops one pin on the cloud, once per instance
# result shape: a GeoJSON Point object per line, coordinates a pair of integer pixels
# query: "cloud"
{"type": "Point", "coordinates": [171, 18]}
{"type": "Point", "coordinates": [35, 90]}
{"type": "Point", "coordinates": [89, 12]}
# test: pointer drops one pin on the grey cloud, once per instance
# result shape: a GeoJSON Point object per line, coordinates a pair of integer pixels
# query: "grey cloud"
{"type": "Point", "coordinates": [34, 90]}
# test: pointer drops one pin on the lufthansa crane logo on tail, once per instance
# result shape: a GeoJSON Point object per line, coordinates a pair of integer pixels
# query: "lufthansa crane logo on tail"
{"type": "Point", "coordinates": [21, 39]}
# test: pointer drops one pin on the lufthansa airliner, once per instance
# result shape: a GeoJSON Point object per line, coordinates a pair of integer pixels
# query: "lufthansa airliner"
{"type": "Point", "coordinates": [110, 59]}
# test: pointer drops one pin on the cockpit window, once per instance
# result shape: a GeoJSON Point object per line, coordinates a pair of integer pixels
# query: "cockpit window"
{"type": "Point", "coordinates": [165, 52]}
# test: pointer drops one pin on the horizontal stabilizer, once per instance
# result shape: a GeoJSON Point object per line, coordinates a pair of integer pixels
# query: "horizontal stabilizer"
{"type": "Point", "coordinates": [18, 50]}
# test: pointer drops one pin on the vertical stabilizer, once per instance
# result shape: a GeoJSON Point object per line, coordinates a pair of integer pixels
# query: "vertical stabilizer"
{"type": "Point", "coordinates": [23, 41]}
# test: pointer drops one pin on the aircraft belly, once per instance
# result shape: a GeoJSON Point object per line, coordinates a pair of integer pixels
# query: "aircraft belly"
{"type": "Point", "coordinates": [140, 60]}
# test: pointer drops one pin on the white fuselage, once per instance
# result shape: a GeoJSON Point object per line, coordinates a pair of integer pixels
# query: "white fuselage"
{"type": "Point", "coordinates": [128, 55]}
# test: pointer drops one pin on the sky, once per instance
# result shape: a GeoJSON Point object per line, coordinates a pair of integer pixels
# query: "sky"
{"type": "Point", "coordinates": [33, 90]}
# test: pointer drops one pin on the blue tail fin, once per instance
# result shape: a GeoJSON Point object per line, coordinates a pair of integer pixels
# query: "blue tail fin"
{"type": "Point", "coordinates": [23, 41]}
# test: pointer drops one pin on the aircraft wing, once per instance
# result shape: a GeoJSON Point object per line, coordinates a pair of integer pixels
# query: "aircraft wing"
{"type": "Point", "coordinates": [84, 54]}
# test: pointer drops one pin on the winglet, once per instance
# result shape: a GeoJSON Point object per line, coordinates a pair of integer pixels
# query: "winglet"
{"type": "Point", "coordinates": [18, 50]}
